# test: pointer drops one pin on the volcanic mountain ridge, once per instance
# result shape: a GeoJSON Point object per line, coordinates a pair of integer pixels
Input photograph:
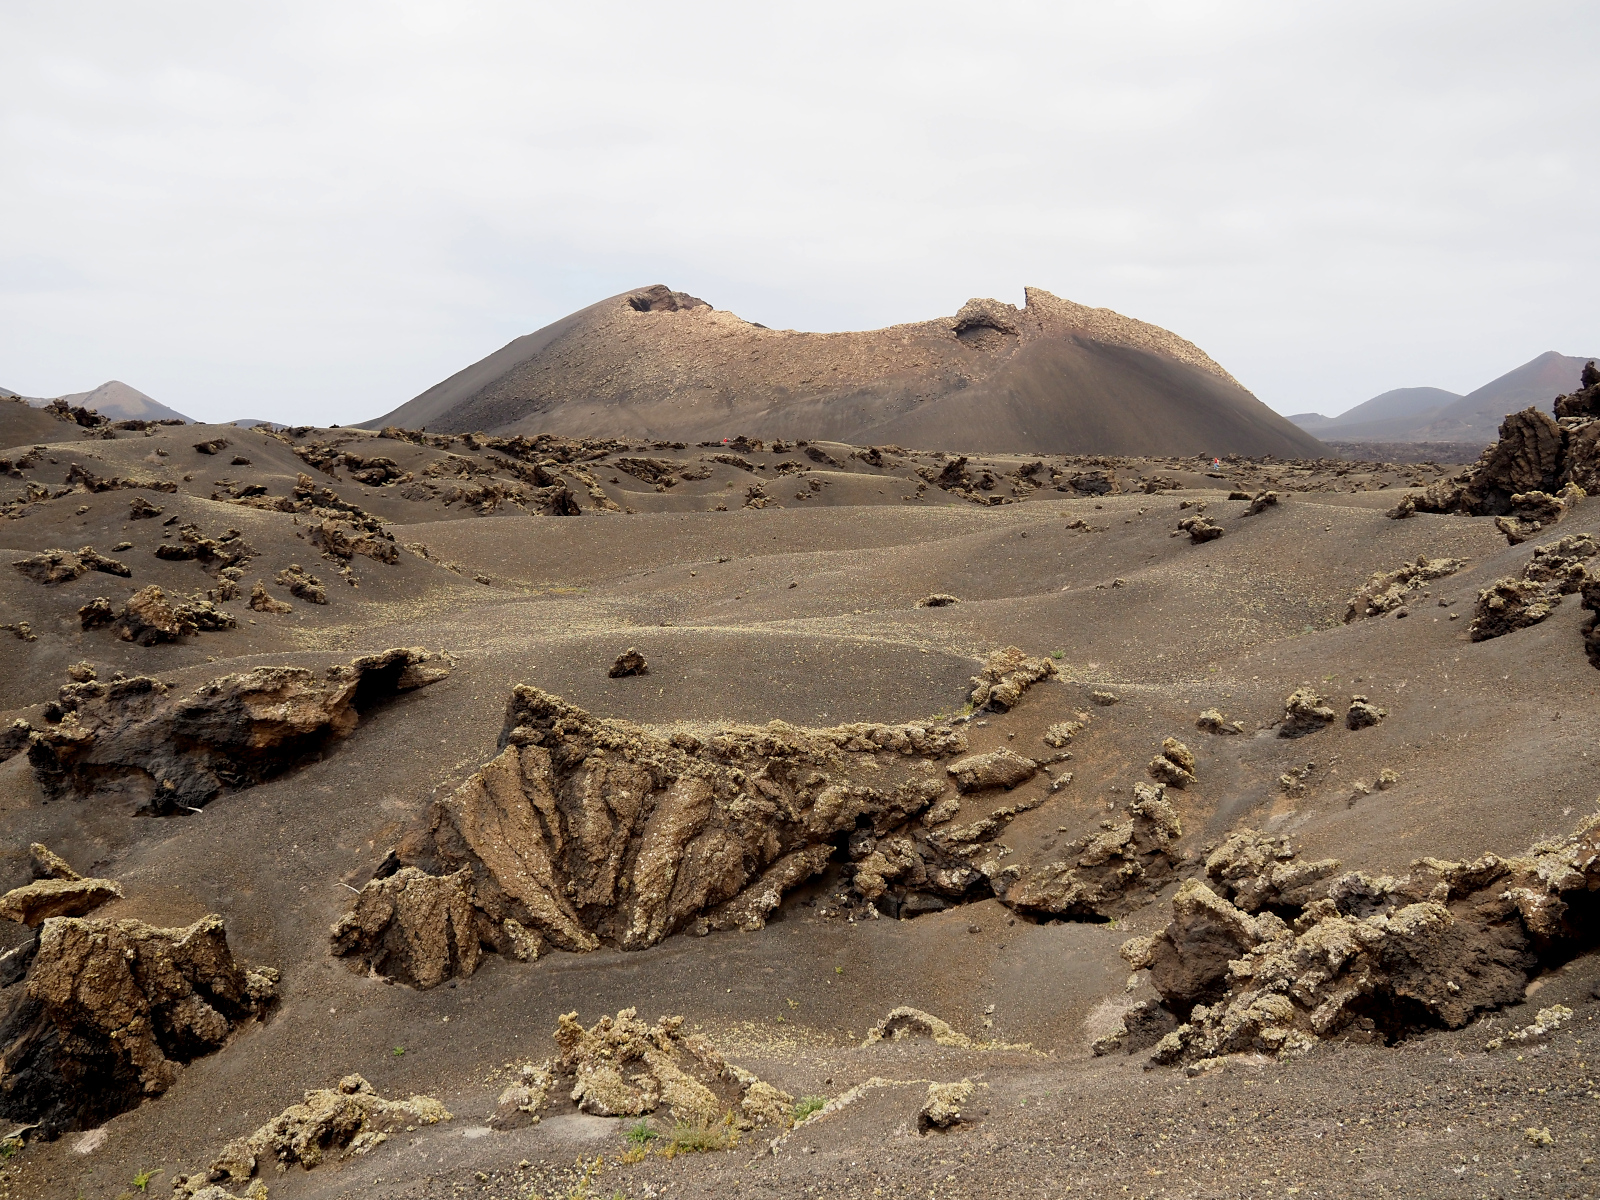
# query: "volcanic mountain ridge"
{"type": "Point", "coordinates": [1051, 377]}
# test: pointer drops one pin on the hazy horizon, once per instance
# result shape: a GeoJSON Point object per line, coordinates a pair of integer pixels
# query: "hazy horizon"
{"type": "Point", "coordinates": [314, 214]}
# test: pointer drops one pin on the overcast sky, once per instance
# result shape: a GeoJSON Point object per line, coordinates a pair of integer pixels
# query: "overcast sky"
{"type": "Point", "coordinates": [312, 212]}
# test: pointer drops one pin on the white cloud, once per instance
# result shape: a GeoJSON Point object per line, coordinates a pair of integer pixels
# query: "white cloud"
{"type": "Point", "coordinates": [315, 211]}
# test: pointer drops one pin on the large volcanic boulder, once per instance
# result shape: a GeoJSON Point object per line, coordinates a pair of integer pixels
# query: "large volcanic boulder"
{"type": "Point", "coordinates": [111, 1010]}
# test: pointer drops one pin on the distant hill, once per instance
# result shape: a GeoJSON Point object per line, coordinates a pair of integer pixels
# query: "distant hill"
{"type": "Point", "coordinates": [1476, 416]}
{"type": "Point", "coordinates": [118, 401]}
{"type": "Point", "coordinates": [1434, 415]}
{"type": "Point", "coordinates": [1050, 377]}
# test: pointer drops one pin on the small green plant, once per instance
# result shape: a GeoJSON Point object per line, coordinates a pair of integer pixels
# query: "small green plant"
{"type": "Point", "coordinates": [838, 970]}
{"type": "Point", "coordinates": [698, 1137]}
{"type": "Point", "coordinates": [1058, 655]}
{"type": "Point", "coordinates": [640, 1133]}
{"type": "Point", "coordinates": [10, 1148]}
{"type": "Point", "coordinates": [807, 1105]}
{"type": "Point", "coordinates": [143, 1178]}
{"type": "Point", "coordinates": [398, 1051]}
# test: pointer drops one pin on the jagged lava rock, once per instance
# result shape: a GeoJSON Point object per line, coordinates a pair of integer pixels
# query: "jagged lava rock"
{"type": "Point", "coordinates": [139, 741]}
{"type": "Point", "coordinates": [110, 1011]}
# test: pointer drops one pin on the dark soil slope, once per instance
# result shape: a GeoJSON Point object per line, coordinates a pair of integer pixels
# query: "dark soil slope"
{"type": "Point", "coordinates": [1051, 377]}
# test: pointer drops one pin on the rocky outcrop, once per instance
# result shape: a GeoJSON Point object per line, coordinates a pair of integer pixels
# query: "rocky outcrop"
{"type": "Point", "coordinates": [1531, 512]}
{"type": "Point", "coordinates": [1274, 954]}
{"type": "Point", "coordinates": [1304, 712]}
{"type": "Point", "coordinates": [111, 1010]}
{"type": "Point", "coordinates": [80, 477]}
{"type": "Point", "coordinates": [263, 601]}
{"type": "Point", "coordinates": [36, 902]}
{"type": "Point", "coordinates": [1585, 402]}
{"type": "Point", "coordinates": [1215, 721]}
{"type": "Point", "coordinates": [622, 1067]}
{"type": "Point", "coordinates": [1388, 590]}
{"type": "Point", "coordinates": [942, 1108]}
{"type": "Point", "coordinates": [1535, 454]}
{"type": "Point", "coordinates": [350, 1118]}
{"type": "Point", "coordinates": [149, 618]}
{"type": "Point", "coordinates": [1556, 569]}
{"type": "Point", "coordinates": [56, 891]}
{"type": "Point", "coordinates": [629, 662]}
{"type": "Point", "coordinates": [1006, 675]}
{"type": "Point", "coordinates": [1200, 528]}
{"type": "Point", "coordinates": [1063, 732]}
{"type": "Point", "coordinates": [1174, 766]}
{"type": "Point", "coordinates": [62, 566]}
{"type": "Point", "coordinates": [997, 769]}
{"type": "Point", "coordinates": [135, 740]}
{"type": "Point", "coordinates": [657, 472]}
{"type": "Point", "coordinates": [1113, 871]}
{"type": "Point", "coordinates": [585, 831]}
{"type": "Point", "coordinates": [1260, 502]}
{"type": "Point", "coordinates": [302, 583]}
{"type": "Point", "coordinates": [1363, 714]}
{"type": "Point", "coordinates": [1590, 595]}
{"type": "Point", "coordinates": [213, 554]}
{"type": "Point", "coordinates": [420, 929]}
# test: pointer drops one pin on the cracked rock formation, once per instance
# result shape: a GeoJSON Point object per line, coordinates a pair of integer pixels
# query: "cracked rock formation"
{"type": "Point", "coordinates": [134, 739]}
{"type": "Point", "coordinates": [1291, 952]}
{"type": "Point", "coordinates": [111, 1010]}
{"type": "Point", "coordinates": [1534, 454]}
{"type": "Point", "coordinates": [585, 831]}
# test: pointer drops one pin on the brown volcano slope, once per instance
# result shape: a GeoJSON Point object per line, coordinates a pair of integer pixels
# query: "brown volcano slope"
{"type": "Point", "coordinates": [1051, 377]}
